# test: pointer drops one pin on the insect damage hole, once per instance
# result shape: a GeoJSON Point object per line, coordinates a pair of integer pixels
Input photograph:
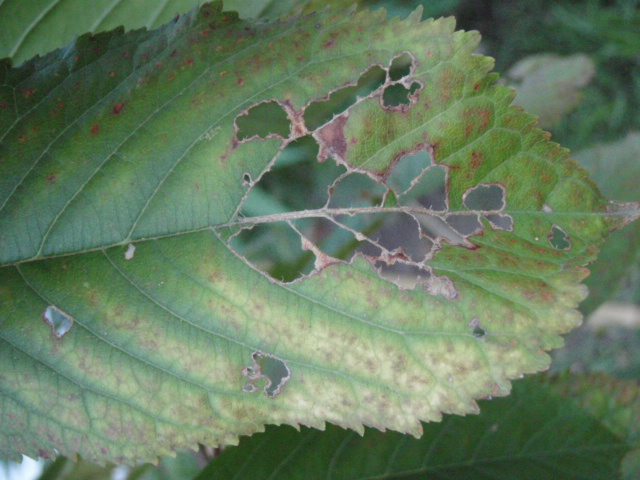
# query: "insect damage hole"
{"type": "Point", "coordinates": [397, 95]}
{"type": "Point", "coordinates": [275, 249]}
{"type": "Point", "coordinates": [478, 331]}
{"type": "Point", "coordinates": [485, 197]}
{"type": "Point", "coordinates": [321, 111]}
{"type": "Point", "coordinates": [59, 321]}
{"type": "Point", "coordinates": [401, 66]}
{"type": "Point", "coordinates": [500, 221]}
{"type": "Point", "coordinates": [558, 238]}
{"type": "Point", "coordinates": [400, 91]}
{"type": "Point", "coordinates": [269, 368]}
{"type": "Point", "coordinates": [263, 120]}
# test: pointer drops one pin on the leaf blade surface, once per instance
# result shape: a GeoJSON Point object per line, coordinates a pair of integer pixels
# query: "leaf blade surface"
{"type": "Point", "coordinates": [121, 213]}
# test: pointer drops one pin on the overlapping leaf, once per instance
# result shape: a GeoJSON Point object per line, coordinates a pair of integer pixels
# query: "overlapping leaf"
{"type": "Point", "coordinates": [36, 27]}
{"type": "Point", "coordinates": [130, 326]}
{"type": "Point", "coordinates": [534, 433]}
{"type": "Point", "coordinates": [617, 270]}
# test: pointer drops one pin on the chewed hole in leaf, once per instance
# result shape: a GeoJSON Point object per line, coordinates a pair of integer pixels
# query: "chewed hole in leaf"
{"type": "Point", "coordinates": [558, 238]}
{"type": "Point", "coordinates": [274, 248]}
{"type": "Point", "coordinates": [407, 172]}
{"type": "Point", "coordinates": [338, 239]}
{"type": "Point", "coordinates": [59, 321]}
{"type": "Point", "coordinates": [416, 181]}
{"type": "Point", "coordinates": [464, 224]}
{"type": "Point", "coordinates": [399, 235]}
{"type": "Point", "coordinates": [434, 226]}
{"type": "Point", "coordinates": [431, 190]}
{"type": "Point", "coordinates": [322, 111]}
{"type": "Point", "coordinates": [477, 331]}
{"type": "Point", "coordinates": [485, 198]}
{"type": "Point", "coordinates": [500, 221]}
{"type": "Point", "coordinates": [397, 94]}
{"type": "Point", "coordinates": [356, 190]}
{"type": "Point", "coordinates": [400, 66]}
{"type": "Point", "coordinates": [313, 207]}
{"type": "Point", "coordinates": [297, 181]}
{"type": "Point", "coordinates": [263, 120]}
{"type": "Point", "coordinates": [403, 275]}
{"type": "Point", "coordinates": [268, 369]}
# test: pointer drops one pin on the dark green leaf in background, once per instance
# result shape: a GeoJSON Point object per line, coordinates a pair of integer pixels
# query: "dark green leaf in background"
{"type": "Point", "coordinates": [534, 433]}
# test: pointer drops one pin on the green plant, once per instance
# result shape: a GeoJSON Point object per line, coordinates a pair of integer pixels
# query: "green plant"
{"type": "Point", "coordinates": [335, 217]}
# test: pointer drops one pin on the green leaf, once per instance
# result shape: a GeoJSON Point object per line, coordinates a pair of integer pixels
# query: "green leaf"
{"type": "Point", "coordinates": [616, 169]}
{"type": "Point", "coordinates": [614, 402]}
{"type": "Point", "coordinates": [533, 434]}
{"type": "Point", "coordinates": [131, 325]}
{"type": "Point", "coordinates": [549, 86]}
{"type": "Point", "coordinates": [37, 26]}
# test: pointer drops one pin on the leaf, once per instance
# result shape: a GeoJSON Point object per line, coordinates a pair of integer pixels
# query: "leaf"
{"type": "Point", "coordinates": [549, 86]}
{"type": "Point", "coordinates": [615, 402]}
{"type": "Point", "coordinates": [533, 434]}
{"type": "Point", "coordinates": [34, 28]}
{"type": "Point", "coordinates": [284, 8]}
{"type": "Point", "coordinates": [616, 169]}
{"type": "Point", "coordinates": [132, 326]}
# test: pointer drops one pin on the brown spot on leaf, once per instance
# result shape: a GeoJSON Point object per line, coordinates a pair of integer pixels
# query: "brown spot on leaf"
{"type": "Point", "coordinates": [240, 81]}
{"type": "Point", "coordinates": [117, 108]}
{"type": "Point", "coordinates": [52, 178]}
{"type": "Point", "coordinates": [332, 140]}
{"type": "Point", "coordinates": [23, 138]}
{"type": "Point", "coordinates": [28, 92]}
{"type": "Point", "coordinates": [329, 44]}
{"type": "Point", "coordinates": [189, 62]}
{"type": "Point", "coordinates": [476, 159]}
{"type": "Point", "coordinates": [4, 105]}
{"type": "Point", "coordinates": [95, 129]}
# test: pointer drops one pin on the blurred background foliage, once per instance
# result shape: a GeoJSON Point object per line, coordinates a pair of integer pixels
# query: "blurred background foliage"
{"type": "Point", "coordinates": [575, 63]}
